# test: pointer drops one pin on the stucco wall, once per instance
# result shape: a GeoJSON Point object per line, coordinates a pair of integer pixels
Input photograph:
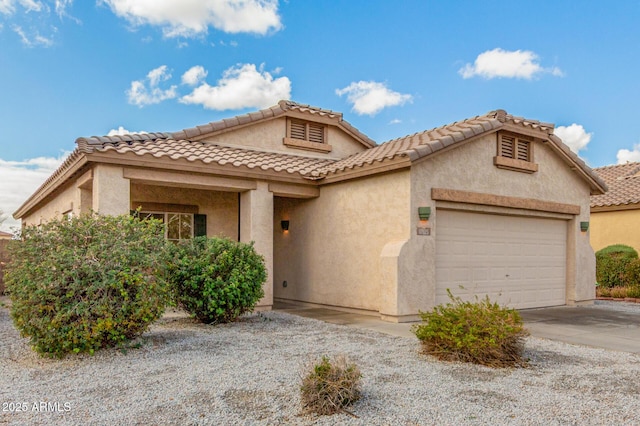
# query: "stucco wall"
{"type": "Point", "coordinates": [470, 167]}
{"type": "Point", "coordinates": [270, 134]}
{"type": "Point", "coordinates": [616, 227]}
{"type": "Point", "coordinates": [69, 198]}
{"type": "Point", "coordinates": [221, 208]}
{"type": "Point", "coordinates": [331, 253]}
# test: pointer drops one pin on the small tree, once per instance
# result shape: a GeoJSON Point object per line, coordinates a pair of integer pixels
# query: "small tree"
{"type": "Point", "coordinates": [214, 279]}
{"type": "Point", "coordinates": [89, 282]}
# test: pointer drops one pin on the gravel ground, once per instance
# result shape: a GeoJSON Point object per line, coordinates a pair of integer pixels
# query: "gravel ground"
{"type": "Point", "coordinates": [248, 373]}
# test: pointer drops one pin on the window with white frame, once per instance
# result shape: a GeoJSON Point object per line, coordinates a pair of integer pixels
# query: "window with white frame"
{"type": "Point", "coordinates": [178, 226]}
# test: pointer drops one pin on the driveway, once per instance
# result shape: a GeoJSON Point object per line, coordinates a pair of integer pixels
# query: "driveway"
{"type": "Point", "coordinates": [608, 325]}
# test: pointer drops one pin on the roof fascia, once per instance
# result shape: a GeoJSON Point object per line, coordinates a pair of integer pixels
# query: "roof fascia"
{"type": "Point", "coordinates": [377, 167]}
{"type": "Point", "coordinates": [615, 207]}
{"type": "Point", "coordinates": [301, 115]}
{"type": "Point", "coordinates": [50, 187]}
{"type": "Point", "coordinates": [183, 165]}
{"type": "Point", "coordinates": [598, 187]}
{"type": "Point", "coordinates": [417, 158]}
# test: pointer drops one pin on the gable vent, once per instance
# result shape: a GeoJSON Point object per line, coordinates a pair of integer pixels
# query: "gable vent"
{"type": "Point", "coordinates": [298, 130]}
{"type": "Point", "coordinates": [506, 146]}
{"type": "Point", "coordinates": [307, 131]}
{"type": "Point", "coordinates": [316, 133]}
{"type": "Point", "coordinates": [522, 152]}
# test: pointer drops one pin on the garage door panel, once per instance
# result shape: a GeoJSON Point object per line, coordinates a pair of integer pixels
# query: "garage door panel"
{"type": "Point", "coordinates": [517, 261]}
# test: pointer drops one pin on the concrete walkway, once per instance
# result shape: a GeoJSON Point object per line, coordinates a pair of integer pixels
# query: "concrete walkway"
{"type": "Point", "coordinates": [595, 326]}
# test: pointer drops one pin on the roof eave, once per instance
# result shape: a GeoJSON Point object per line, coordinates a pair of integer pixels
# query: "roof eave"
{"type": "Point", "coordinates": [598, 186]}
{"type": "Point", "coordinates": [398, 162]}
{"type": "Point", "coordinates": [283, 108]}
{"type": "Point", "coordinates": [68, 168]}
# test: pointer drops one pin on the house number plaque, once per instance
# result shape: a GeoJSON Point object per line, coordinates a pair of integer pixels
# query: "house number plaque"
{"type": "Point", "coordinates": [424, 231]}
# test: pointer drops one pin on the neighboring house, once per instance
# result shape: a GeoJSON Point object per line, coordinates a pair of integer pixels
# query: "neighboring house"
{"type": "Point", "coordinates": [615, 216]}
{"type": "Point", "coordinates": [5, 235]}
{"type": "Point", "coordinates": [336, 216]}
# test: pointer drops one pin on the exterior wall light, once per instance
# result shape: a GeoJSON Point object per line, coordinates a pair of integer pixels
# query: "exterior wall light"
{"type": "Point", "coordinates": [424, 213]}
{"type": "Point", "coordinates": [285, 225]}
{"type": "Point", "coordinates": [584, 226]}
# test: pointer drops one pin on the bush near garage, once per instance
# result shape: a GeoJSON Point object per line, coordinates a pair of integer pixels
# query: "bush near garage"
{"type": "Point", "coordinates": [612, 263]}
{"type": "Point", "coordinates": [214, 279]}
{"type": "Point", "coordinates": [85, 283]}
{"type": "Point", "coordinates": [481, 332]}
{"type": "Point", "coordinates": [330, 386]}
{"type": "Point", "coordinates": [632, 274]}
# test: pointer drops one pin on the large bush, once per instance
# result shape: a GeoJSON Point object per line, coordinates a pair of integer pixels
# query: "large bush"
{"type": "Point", "coordinates": [82, 284]}
{"type": "Point", "coordinates": [481, 332]}
{"type": "Point", "coordinates": [215, 279]}
{"type": "Point", "coordinates": [612, 263]}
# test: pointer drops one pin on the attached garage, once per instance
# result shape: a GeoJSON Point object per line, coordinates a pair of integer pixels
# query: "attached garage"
{"type": "Point", "coordinates": [518, 261]}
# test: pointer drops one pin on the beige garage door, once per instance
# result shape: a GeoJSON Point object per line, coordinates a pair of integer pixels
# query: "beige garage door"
{"type": "Point", "coordinates": [517, 261]}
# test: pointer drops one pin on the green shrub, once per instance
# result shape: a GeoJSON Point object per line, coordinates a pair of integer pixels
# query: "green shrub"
{"type": "Point", "coordinates": [481, 332]}
{"type": "Point", "coordinates": [86, 283]}
{"type": "Point", "coordinates": [611, 264]}
{"type": "Point", "coordinates": [330, 386]}
{"type": "Point", "coordinates": [631, 275]}
{"type": "Point", "coordinates": [633, 291]}
{"type": "Point", "coordinates": [214, 279]}
{"type": "Point", "coordinates": [618, 292]}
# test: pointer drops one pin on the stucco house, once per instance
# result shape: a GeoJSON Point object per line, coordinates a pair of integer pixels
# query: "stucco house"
{"type": "Point", "coordinates": [489, 205]}
{"type": "Point", "coordinates": [5, 235]}
{"type": "Point", "coordinates": [615, 216]}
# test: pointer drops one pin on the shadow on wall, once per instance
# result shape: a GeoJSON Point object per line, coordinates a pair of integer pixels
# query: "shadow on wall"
{"type": "Point", "coordinates": [4, 258]}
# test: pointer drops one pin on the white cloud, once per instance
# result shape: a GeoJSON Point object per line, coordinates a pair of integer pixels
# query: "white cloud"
{"type": "Point", "coordinates": [395, 121]}
{"type": "Point", "coordinates": [34, 40]}
{"type": "Point", "coordinates": [61, 7]}
{"type": "Point", "coordinates": [242, 86]}
{"type": "Point", "coordinates": [122, 131]}
{"type": "Point", "coordinates": [20, 179]}
{"type": "Point", "coordinates": [574, 136]}
{"type": "Point", "coordinates": [141, 95]}
{"type": "Point", "coordinates": [8, 7]}
{"type": "Point", "coordinates": [188, 18]}
{"type": "Point", "coordinates": [194, 75]}
{"type": "Point", "coordinates": [629, 156]}
{"type": "Point", "coordinates": [370, 97]}
{"type": "Point", "coordinates": [500, 63]}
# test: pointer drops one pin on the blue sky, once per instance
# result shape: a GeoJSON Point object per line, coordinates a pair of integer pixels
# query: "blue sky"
{"type": "Point", "coordinates": [71, 68]}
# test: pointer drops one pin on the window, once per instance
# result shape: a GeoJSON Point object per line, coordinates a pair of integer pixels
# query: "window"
{"type": "Point", "coordinates": [515, 152]}
{"type": "Point", "coordinates": [179, 226]}
{"type": "Point", "coordinates": [307, 135]}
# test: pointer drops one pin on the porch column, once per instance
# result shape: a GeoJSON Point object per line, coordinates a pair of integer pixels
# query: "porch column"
{"type": "Point", "coordinates": [256, 224]}
{"type": "Point", "coordinates": [111, 191]}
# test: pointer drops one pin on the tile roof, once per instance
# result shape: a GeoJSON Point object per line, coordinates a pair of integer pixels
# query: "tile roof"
{"type": "Point", "coordinates": [419, 144]}
{"type": "Point", "coordinates": [428, 142]}
{"type": "Point", "coordinates": [184, 145]}
{"type": "Point", "coordinates": [229, 123]}
{"type": "Point", "coordinates": [5, 234]}
{"type": "Point", "coordinates": [623, 181]}
{"type": "Point", "coordinates": [210, 153]}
